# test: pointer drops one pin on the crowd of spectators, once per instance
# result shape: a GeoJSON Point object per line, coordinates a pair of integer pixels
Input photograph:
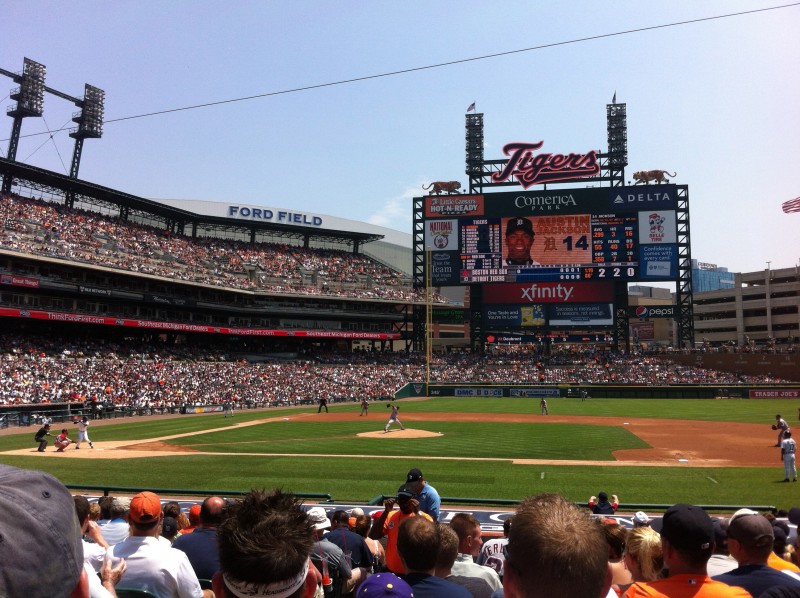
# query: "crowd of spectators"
{"type": "Point", "coordinates": [56, 231]}
{"type": "Point", "coordinates": [130, 375]}
{"type": "Point", "coordinates": [267, 544]}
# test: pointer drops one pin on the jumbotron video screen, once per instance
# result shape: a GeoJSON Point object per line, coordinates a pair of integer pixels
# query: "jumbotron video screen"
{"type": "Point", "coordinates": [607, 233]}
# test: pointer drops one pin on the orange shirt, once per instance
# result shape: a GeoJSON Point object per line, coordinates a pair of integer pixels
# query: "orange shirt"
{"type": "Point", "coordinates": [685, 586]}
{"type": "Point", "coordinates": [780, 564]}
{"type": "Point", "coordinates": [390, 527]}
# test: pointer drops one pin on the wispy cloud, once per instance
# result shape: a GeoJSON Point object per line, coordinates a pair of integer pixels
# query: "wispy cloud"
{"type": "Point", "coordinates": [396, 211]}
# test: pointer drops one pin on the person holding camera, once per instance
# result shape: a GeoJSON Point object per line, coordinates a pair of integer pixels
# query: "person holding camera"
{"type": "Point", "coordinates": [389, 522]}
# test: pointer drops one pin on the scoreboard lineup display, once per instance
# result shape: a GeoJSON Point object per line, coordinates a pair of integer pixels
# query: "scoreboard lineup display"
{"type": "Point", "coordinates": [608, 233]}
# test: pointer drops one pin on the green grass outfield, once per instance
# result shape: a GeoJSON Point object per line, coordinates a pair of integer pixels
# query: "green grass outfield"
{"type": "Point", "coordinates": [469, 460]}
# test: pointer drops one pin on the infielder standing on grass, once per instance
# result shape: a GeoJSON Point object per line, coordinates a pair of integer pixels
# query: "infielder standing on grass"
{"type": "Point", "coordinates": [543, 406]}
{"type": "Point", "coordinates": [788, 448]}
{"type": "Point", "coordinates": [364, 407]}
{"type": "Point", "coordinates": [781, 426]}
{"type": "Point", "coordinates": [83, 432]}
{"type": "Point", "coordinates": [393, 418]}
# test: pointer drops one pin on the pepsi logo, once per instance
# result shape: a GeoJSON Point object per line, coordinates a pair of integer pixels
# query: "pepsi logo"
{"type": "Point", "coordinates": [641, 311]}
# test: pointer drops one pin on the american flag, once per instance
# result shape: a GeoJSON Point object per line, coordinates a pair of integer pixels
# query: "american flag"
{"type": "Point", "coordinates": [471, 107]}
{"type": "Point", "coordinates": [793, 205]}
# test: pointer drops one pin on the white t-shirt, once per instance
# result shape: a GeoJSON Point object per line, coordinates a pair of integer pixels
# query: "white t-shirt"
{"type": "Point", "coordinates": [156, 567]}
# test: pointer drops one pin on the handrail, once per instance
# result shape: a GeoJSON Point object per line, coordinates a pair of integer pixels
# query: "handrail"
{"type": "Point", "coordinates": [631, 506]}
{"type": "Point", "coordinates": [106, 490]}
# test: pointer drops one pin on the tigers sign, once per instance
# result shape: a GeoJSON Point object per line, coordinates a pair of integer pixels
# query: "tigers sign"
{"type": "Point", "coordinates": [531, 169]}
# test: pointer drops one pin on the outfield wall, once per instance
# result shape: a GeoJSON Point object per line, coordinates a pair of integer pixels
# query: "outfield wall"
{"type": "Point", "coordinates": [602, 391]}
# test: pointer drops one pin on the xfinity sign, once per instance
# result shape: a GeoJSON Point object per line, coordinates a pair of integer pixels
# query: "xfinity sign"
{"type": "Point", "coordinates": [653, 311]}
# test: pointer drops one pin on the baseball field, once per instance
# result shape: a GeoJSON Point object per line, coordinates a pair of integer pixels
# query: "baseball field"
{"type": "Point", "coordinates": [649, 451]}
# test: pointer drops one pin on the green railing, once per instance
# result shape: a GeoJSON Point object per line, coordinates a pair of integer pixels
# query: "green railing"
{"type": "Point", "coordinates": [107, 490]}
{"type": "Point", "coordinates": [631, 506]}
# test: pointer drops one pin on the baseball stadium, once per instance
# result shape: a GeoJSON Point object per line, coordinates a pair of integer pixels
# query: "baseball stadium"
{"type": "Point", "coordinates": [215, 347]}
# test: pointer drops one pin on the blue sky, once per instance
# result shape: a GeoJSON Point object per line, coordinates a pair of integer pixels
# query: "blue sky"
{"type": "Point", "coordinates": [717, 101]}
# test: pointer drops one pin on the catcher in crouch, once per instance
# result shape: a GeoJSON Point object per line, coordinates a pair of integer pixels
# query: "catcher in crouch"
{"type": "Point", "coordinates": [781, 426]}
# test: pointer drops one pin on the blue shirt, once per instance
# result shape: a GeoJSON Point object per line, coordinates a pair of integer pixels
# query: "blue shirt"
{"type": "Point", "coordinates": [201, 548]}
{"type": "Point", "coordinates": [757, 579]}
{"type": "Point", "coordinates": [429, 501]}
{"type": "Point", "coordinates": [428, 586]}
{"type": "Point", "coordinates": [352, 545]}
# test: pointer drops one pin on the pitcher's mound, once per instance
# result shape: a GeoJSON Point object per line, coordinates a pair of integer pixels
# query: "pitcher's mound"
{"type": "Point", "coordinates": [407, 433]}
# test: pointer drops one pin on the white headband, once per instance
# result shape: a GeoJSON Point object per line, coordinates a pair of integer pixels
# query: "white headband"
{"type": "Point", "coordinates": [280, 589]}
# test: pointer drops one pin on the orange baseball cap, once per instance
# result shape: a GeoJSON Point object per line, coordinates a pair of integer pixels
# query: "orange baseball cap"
{"type": "Point", "coordinates": [194, 514]}
{"type": "Point", "coordinates": [145, 507]}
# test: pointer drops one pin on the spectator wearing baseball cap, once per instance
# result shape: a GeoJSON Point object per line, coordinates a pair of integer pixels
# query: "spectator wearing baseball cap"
{"type": "Point", "coordinates": [640, 519]}
{"type": "Point", "coordinates": [389, 521]}
{"type": "Point", "coordinates": [41, 553]}
{"type": "Point", "coordinates": [428, 497]}
{"type": "Point", "coordinates": [169, 529]}
{"type": "Point", "coordinates": [600, 505]}
{"type": "Point", "coordinates": [384, 585]}
{"type": "Point", "coordinates": [750, 541]}
{"type": "Point", "coordinates": [687, 541]}
{"type": "Point", "coordinates": [153, 565]}
{"type": "Point", "coordinates": [194, 520]}
{"type": "Point", "coordinates": [327, 556]}
{"type": "Point", "coordinates": [116, 529]}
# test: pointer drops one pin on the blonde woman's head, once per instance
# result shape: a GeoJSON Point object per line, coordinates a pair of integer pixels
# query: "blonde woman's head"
{"type": "Point", "coordinates": [643, 555]}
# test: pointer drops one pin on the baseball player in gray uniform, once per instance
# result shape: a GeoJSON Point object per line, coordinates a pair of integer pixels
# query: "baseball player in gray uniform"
{"type": "Point", "coordinates": [393, 418]}
{"type": "Point", "coordinates": [781, 426]}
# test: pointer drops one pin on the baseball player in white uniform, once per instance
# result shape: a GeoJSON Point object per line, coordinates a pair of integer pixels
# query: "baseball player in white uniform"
{"type": "Point", "coordinates": [788, 449]}
{"type": "Point", "coordinates": [83, 432]}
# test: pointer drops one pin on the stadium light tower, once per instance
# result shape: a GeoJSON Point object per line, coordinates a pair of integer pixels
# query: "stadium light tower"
{"type": "Point", "coordinates": [90, 123]}
{"type": "Point", "coordinates": [30, 102]}
{"type": "Point", "coordinates": [617, 126]}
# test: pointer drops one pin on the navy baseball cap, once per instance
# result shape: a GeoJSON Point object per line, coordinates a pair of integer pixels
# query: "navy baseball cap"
{"type": "Point", "coordinates": [415, 475]}
{"type": "Point", "coordinates": [516, 224]}
{"type": "Point", "coordinates": [405, 491]}
{"type": "Point", "coordinates": [688, 527]}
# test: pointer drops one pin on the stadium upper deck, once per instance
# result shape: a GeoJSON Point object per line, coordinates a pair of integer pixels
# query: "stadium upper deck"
{"type": "Point", "coordinates": [77, 261]}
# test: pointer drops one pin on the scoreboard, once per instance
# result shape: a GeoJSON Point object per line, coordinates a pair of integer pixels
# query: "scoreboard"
{"type": "Point", "coordinates": [609, 233]}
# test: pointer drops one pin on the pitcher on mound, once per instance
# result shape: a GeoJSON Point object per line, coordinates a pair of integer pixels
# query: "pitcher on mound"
{"type": "Point", "coordinates": [393, 418]}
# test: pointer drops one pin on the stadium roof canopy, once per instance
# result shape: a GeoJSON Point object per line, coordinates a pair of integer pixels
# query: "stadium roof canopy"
{"type": "Point", "coordinates": [173, 218]}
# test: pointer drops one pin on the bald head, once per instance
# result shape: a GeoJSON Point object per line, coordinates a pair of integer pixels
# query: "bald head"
{"type": "Point", "coordinates": [211, 511]}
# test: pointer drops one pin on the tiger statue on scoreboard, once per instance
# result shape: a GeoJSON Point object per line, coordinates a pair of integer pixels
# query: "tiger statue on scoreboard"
{"type": "Point", "coordinates": [437, 187]}
{"type": "Point", "coordinates": [657, 176]}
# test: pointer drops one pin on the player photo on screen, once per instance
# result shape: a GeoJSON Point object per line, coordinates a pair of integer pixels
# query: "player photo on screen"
{"type": "Point", "coordinates": [547, 240]}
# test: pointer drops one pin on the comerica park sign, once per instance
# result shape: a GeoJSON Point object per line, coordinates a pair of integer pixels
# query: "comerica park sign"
{"type": "Point", "coordinates": [531, 169]}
